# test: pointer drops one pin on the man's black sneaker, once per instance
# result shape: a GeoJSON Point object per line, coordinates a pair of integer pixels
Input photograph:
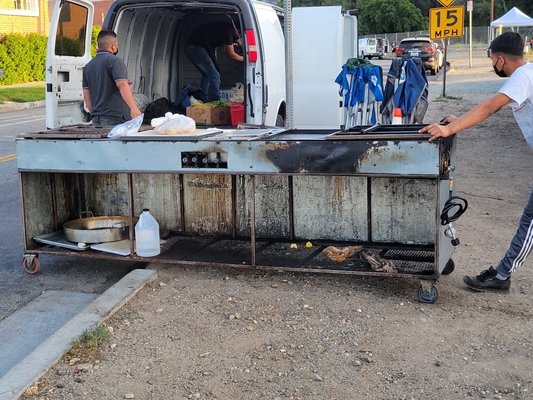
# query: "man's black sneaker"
{"type": "Point", "coordinates": [487, 280]}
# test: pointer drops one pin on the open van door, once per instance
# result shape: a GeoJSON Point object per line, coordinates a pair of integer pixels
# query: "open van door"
{"type": "Point", "coordinates": [69, 49]}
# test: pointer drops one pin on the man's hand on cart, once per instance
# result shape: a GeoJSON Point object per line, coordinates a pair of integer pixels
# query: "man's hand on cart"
{"type": "Point", "coordinates": [439, 130]}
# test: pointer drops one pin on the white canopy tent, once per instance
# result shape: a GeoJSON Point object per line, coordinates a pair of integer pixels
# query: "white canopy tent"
{"type": "Point", "coordinates": [513, 17]}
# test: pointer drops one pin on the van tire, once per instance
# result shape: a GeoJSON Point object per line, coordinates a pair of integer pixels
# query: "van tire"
{"type": "Point", "coordinates": [280, 120]}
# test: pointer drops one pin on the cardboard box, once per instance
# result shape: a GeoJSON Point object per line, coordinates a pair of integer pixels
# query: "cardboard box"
{"type": "Point", "coordinates": [210, 116]}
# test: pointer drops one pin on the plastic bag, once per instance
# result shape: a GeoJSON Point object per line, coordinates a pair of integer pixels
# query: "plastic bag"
{"type": "Point", "coordinates": [238, 93]}
{"type": "Point", "coordinates": [141, 100]}
{"type": "Point", "coordinates": [173, 124]}
{"type": "Point", "coordinates": [127, 128]}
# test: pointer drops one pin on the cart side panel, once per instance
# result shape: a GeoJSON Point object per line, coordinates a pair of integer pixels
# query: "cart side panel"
{"type": "Point", "coordinates": [161, 194]}
{"type": "Point", "coordinates": [207, 201]}
{"type": "Point", "coordinates": [330, 207]}
{"type": "Point", "coordinates": [444, 248]}
{"type": "Point", "coordinates": [271, 206]}
{"type": "Point", "coordinates": [403, 210]}
{"type": "Point", "coordinates": [48, 201]}
{"type": "Point", "coordinates": [106, 194]}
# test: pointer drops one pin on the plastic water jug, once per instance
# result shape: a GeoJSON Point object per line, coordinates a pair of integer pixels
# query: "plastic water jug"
{"type": "Point", "coordinates": [147, 235]}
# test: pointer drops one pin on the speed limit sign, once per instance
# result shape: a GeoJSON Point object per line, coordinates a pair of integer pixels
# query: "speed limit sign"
{"type": "Point", "coordinates": [446, 22]}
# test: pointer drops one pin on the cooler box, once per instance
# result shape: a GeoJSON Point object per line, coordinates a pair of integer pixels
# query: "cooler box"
{"type": "Point", "coordinates": [237, 113]}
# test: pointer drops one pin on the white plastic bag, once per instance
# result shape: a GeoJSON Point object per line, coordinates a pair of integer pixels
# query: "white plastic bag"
{"type": "Point", "coordinates": [173, 124]}
{"type": "Point", "coordinates": [127, 128]}
{"type": "Point", "coordinates": [238, 93]}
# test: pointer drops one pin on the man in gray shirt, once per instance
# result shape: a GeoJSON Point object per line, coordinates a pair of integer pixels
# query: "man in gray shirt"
{"type": "Point", "coordinates": [106, 90]}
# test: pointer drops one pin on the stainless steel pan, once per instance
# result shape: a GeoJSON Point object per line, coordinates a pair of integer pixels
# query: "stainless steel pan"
{"type": "Point", "coordinates": [97, 229]}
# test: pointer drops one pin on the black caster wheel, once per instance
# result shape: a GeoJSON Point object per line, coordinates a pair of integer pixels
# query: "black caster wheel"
{"type": "Point", "coordinates": [448, 268]}
{"type": "Point", "coordinates": [31, 263]}
{"type": "Point", "coordinates": [428, 294]}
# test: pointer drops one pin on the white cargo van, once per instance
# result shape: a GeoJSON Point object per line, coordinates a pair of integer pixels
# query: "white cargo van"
{"type": "Point", "coordinates": [373, 47]}
{"type": "Point", "coordinates": [152, 37]}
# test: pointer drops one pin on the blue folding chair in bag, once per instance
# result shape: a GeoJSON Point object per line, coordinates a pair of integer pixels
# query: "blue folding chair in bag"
{"type": "Point", "coordinates": [362, 88]}
{"type": "Point", "coordinates": [406, 88]}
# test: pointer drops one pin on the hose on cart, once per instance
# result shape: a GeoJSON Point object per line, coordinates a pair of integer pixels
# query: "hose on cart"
{"type": "Point", "coordinates": [454, 202]}
{"type": "Point", "coordinates": [454, 207]}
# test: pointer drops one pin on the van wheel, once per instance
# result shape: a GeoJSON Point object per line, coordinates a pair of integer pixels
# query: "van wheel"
{"type": "Point", "coordinates": [433, 71]}
{"type": "Point", "coordinates": [280, 121]}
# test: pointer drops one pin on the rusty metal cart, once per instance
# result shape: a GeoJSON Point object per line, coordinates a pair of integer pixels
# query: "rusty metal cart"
{"type": "Point", "coordinates": [239, 198]}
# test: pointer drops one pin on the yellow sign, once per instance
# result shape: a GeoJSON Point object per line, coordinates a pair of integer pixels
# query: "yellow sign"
{"type": "Point", "coordinates": [446, 22]}
{"type": "Point", "coordinates": [446, 3]}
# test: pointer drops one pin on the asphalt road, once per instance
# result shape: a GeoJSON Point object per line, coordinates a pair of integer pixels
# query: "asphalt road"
{"type": "Point", "coordinates": [57, 273]}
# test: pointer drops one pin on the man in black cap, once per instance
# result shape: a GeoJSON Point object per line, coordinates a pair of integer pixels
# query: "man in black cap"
{"type": "Point", "coordinates": [506, 55]}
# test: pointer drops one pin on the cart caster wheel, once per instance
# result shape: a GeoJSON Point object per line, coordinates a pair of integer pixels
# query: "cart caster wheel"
{"type": "Point", "coordinates": [448, 268]}
{"type": "Point", "coordinates": [31, 263]}
{"type": "Point", "coordinates": [428, 294]}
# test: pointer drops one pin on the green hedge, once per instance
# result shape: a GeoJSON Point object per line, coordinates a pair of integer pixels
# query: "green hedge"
{"type": "Point", "coordinates": [23, 57]}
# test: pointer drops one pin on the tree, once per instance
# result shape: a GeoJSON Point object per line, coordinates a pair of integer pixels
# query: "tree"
{"type": "Point", "coordinates": [386, 16]}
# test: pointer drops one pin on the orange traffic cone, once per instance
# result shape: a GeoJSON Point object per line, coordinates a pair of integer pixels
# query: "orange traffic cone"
{"type": "Point", "coordinates": [397, 116]}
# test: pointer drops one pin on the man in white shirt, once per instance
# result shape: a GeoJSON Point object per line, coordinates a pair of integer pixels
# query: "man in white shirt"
{"type": "Point", "coordinates": [506, 54]}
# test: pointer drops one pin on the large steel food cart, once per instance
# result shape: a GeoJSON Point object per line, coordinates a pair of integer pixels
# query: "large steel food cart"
{"type": "Point", "coordinates": [240, 198]}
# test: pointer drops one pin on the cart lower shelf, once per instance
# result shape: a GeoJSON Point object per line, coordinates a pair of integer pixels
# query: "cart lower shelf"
{"type": "Point", "coordinates": [274, 255]}
{"type": "Point", "coordinates": [271, 254]}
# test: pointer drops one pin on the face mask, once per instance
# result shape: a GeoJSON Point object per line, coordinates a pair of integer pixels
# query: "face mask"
{"type": "Point", "coordinates": [500, 72]}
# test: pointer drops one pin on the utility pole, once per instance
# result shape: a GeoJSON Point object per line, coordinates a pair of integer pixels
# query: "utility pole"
{"type": "Point", "coordinates": [469, 8]}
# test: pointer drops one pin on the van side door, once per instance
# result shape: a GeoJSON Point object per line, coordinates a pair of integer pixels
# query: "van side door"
{"type": "Point", "coordinates": [269, 92]}
{"type": "Point", "coordinates": [69, 49]}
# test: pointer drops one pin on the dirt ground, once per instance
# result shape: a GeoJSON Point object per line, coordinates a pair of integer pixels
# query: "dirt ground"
{"type": "Point", "coordinates": [228, 334]}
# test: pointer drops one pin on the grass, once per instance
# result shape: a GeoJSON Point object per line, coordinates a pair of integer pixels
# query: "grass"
{"type": "Point", "coordinates": [86, 346]}
{"type": "Point", "coordinates": [21, 94]}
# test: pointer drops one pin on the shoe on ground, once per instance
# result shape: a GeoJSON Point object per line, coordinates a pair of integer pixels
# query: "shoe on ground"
{"type": "Point", "coordinates": [487, 281]}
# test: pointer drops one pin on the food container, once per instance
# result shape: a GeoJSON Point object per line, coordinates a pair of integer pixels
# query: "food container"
{"type": "Point", "coordinates": [97, 229]}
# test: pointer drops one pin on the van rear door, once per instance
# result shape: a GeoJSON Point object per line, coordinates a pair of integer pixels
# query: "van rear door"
{"type": "Point", "coordinates": [69, 49]}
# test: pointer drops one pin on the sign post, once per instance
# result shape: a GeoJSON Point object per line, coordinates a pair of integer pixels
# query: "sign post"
{"type": "Point", "coordinates": [469, 8]}
{"type": "Point", "coordinates": [445, 23]}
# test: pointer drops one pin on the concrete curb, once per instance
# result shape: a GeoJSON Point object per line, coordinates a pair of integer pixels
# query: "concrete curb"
{"type": "Point", "coordinates": [12, 106]}
{"type": "Point", "coordinates": [36, 364]}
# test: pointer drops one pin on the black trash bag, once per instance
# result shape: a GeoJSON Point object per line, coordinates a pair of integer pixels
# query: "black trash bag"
{"type": "Point", "coordinates": [157, 108]}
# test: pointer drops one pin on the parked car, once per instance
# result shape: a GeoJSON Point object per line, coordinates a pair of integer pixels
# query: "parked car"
{"type": "Point", "coordinates": [423, 47]}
